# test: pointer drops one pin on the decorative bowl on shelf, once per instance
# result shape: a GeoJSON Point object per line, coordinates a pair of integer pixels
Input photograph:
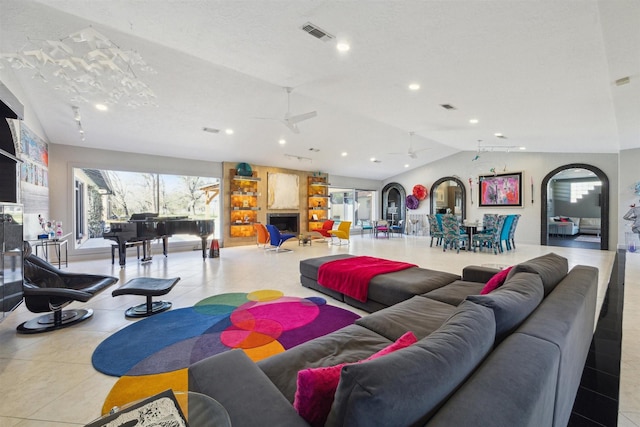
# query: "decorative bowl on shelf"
{"type": "Point", "coordinates": [244, 169]}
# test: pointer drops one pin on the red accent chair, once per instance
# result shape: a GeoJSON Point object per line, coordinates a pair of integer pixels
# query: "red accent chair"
{"type": "Point", "coordinates": [326, 226]}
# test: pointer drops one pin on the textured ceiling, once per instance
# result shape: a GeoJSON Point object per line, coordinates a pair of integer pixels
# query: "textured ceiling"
{"type": "Point", "coordinates": [541, 72]}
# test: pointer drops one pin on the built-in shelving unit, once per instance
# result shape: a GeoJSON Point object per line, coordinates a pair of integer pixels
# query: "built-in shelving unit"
{"type": "Point", "coordinates": [318, 200]}
{"type": "Point", "coordinates": [243, 209]}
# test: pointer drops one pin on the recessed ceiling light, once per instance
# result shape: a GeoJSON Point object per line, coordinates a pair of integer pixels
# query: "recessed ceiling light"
{"type": "Point", "coordinates": [228, 131]}
{"type": "Point", "coordinates": [373, 159]}
{"type": "Point", "coordinates": [343, 47]}
{"type": "Point", "coordinates": [473, 121]}
{"type": "Point", "coordinates": [522, 148]}
{"type": "Point", "coordinates": [282, 141]}
{"type": "Point", "coordinates": [498, 134]}
{"type": "Point", "coordinates": [406, 166]}
{"type": "Point", "coordinates": [101, 107]}
{"type": "Point", "coordinates": [414, 86]}
{"type": "Point", "coordinates": [344, 154]}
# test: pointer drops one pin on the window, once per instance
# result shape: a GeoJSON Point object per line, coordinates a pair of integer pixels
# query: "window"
{"type": "Point", "coordinates": [351, 205]}
{"type": "Point", "coordinates": [579, 189]}
{"type": "Point", "coordinates": [104, 196]}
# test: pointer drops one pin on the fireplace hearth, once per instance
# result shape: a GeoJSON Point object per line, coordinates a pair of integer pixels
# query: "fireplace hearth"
{"type": "Point", "coordinates": [285, 222]}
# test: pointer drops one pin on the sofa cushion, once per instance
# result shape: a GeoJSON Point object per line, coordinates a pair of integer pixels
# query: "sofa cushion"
{"type": "Point", "coordinates": [455, 292]}
{"type": "Point", "coordinates": [512, 302]}
{"type": "Point", "coordinates": [399, 286]}
{"type": "Point", "coordinates": [316, 387]}
{"type": "Point", "coordinates": [235, 381]}
{"type": "Point", "coordinates": [309, 267]}
{"type": "Point", "coordinates": [551, 267]}
{"type": "Point", "coordinates": [501, 393]}
{"type": "Point", "coordinates": [418, 314]}
{"type": "Point", "coordinates": [406, 387]}
{"type": "Point", "coordinates": [349, 344]}
{"type": "Point", "coordinates": [496, 281]}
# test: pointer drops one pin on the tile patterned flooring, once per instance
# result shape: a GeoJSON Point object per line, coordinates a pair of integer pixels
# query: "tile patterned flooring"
{"type": "Point", "coordinates": [47, 379]}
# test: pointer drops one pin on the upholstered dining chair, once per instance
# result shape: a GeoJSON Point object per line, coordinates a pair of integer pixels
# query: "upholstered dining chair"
{"type": "Point", "coordinates": [434, 230]}
{"type": "Point", "coordinates": [48, 290]}
{"type": "Point", "coordinates": [277, 238]}
{"type": "Point", "coordinates": [511, 242]}
{"type": "Point", "coordinates": [504, 233]}
{"type": "Point", "coordinates": [382, 226]}
{"type": "Point", "coordinates": [490, 239]}
{"type": "Point", "coordinates": [452, 237]}
{"type": "Point", "coordinates": [262, 235]}
{"type": "Point", "coordinates": [341, 233]}
{"type": "Point", "coordinates": [398, 228]}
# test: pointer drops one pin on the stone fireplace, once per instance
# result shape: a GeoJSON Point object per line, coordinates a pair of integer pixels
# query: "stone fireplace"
{"type": "Point", "coordinates": [285, 222]}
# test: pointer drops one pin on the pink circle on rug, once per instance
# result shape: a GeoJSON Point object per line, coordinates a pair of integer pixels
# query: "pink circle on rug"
{"type": "Point", "coordinates": [257, 323]}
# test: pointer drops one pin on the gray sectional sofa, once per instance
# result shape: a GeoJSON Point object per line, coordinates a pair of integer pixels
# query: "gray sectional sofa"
{"type": "Point", "coordinates": [513, 357]}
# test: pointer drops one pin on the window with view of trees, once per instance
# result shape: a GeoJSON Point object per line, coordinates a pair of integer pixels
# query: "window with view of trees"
{"type": "Point", "coordinates": [103, 196]}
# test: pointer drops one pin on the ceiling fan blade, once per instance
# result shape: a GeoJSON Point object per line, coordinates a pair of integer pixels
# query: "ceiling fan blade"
{"type": "Point", "coordinates": [300, 117]}
{"type": "Point", "coordinates": [291, 126]}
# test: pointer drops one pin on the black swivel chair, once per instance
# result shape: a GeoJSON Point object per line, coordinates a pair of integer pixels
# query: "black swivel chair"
{"type": "Point", "coordinates": [48, 290]}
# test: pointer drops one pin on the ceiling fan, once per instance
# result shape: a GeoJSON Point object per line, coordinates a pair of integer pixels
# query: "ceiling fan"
{"type": "Point", "coordinates": [291, 121]}
{"type": "Point", "coordinates": [411, 152]}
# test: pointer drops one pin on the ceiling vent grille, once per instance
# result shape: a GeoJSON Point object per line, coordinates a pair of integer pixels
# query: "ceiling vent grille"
{"type": "Point", "coordinates": [448, 106]}
{"type": "Point", "coordinates": [317, 32]}
{"type": "Point", "coordinates": [211, 130]}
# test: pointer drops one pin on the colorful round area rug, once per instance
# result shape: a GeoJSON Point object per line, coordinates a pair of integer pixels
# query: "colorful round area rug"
{"type": "Point", "coordinates": [153, 354]}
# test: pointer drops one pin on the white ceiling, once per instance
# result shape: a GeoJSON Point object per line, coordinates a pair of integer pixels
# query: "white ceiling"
{"type": "Point", "coordinates": [541, 72]}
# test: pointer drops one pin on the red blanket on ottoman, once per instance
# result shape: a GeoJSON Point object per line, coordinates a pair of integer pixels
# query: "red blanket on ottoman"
{"type": "Point", "coordinates": [351, 276]}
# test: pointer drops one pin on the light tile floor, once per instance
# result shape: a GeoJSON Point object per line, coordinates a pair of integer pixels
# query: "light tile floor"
{"type": "Point", "coordinates": [48, 380]}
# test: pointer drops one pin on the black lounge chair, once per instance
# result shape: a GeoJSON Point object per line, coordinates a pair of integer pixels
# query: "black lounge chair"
{"type": "Point", "coordinates": [48, 290]}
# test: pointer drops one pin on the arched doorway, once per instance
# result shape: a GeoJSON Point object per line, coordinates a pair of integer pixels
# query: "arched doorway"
{"type": "Point", "coordinates": [604, 202]}
{"type": "Point", "coordinates": [394, 199]}
{"type": "Point", "coordinates": [451, 193]}
{"type": "Point", "coordinates": [8, 162]}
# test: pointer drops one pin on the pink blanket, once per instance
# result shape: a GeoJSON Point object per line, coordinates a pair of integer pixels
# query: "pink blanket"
{"type": "Point", "coordinates": [351, 276]}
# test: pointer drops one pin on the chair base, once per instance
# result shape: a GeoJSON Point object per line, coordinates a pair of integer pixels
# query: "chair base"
{"type": "Point", "coordinates": [147, 309]}
{"type": "Point", "coordinates": [52, 321]}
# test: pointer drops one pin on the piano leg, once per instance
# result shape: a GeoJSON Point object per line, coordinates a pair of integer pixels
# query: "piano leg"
{"type": "Point", "coordinates": [204, 247]}
{"type": "Point", "coordinates": [165, 244]}
{"type": "Point", "coordinates": [122, 253]}
{"type": "Point", "coordinates": [146, 251]}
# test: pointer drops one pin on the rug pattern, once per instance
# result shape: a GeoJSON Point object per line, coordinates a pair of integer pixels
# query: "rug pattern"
{"type": "Point", "coordinates": [153, 354]}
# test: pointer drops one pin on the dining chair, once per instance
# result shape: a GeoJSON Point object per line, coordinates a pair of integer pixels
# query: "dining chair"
{"type": "Point", "coordinates": [452, 236]}
{"type": "Point", "coordinates": [435, 230]}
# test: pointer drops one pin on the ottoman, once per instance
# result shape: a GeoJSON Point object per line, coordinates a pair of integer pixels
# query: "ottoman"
{"type": "Point", "coordinates": [149, 287]}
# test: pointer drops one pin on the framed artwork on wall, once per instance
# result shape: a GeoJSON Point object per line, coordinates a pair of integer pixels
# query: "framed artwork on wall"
{"type": "Point", "coordinates": [501, 190]}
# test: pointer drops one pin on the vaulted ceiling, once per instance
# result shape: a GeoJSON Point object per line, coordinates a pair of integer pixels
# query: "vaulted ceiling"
{"type": "Point", "coordinates": [551, 76]}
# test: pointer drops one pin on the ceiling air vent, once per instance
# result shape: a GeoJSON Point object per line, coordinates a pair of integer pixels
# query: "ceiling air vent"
{"type": "Point", "coordinates": [448, 106]}
{"type": "Point", "coordinates": [211, 130]}
{"type": "Point", "coordinates": [317, 32]}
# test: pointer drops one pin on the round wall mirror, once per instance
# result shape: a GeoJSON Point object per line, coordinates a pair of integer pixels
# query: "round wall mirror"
{"type": "Point", "coordinates": [448, 195]}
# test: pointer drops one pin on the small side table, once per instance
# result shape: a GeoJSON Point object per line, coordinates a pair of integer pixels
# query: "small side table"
{"type": "Point", "coordinates": [58, 244]}
{"type": "Point", "coordinates": [304, 239]}
{"type": "Point", "coordinates": [149, 287]}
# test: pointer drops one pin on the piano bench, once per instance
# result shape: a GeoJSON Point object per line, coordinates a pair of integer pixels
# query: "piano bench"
{"type": "Point", "coordinates": [127, 245]}
{"type": "Point", "coordinates": [149, 287]}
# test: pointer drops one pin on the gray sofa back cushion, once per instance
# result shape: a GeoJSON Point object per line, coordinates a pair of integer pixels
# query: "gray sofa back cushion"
{"type": "Point", "coordinates": [514, 386]}
{"type": "Point", "coordinates": [566, 319]}
{"type": "Point", "coordinates": [512, 302]}
{"type": "Point", "coordinates": [551, 267]}
{"type": "Point", "coordinates": [406, 387]}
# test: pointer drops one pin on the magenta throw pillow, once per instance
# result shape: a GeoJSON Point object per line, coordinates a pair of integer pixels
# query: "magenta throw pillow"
{"type": "Point", "coordinates": [316, 387]}
{"type": "Point", "coordinates": [496, 281]}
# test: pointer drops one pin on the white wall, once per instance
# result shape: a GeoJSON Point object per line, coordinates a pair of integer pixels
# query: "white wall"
{"type": "Point", "coordinates": [533, 165]}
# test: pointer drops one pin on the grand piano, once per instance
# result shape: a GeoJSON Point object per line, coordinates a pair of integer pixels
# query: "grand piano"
{"type": "Point", "coordinates": [146, 227]}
